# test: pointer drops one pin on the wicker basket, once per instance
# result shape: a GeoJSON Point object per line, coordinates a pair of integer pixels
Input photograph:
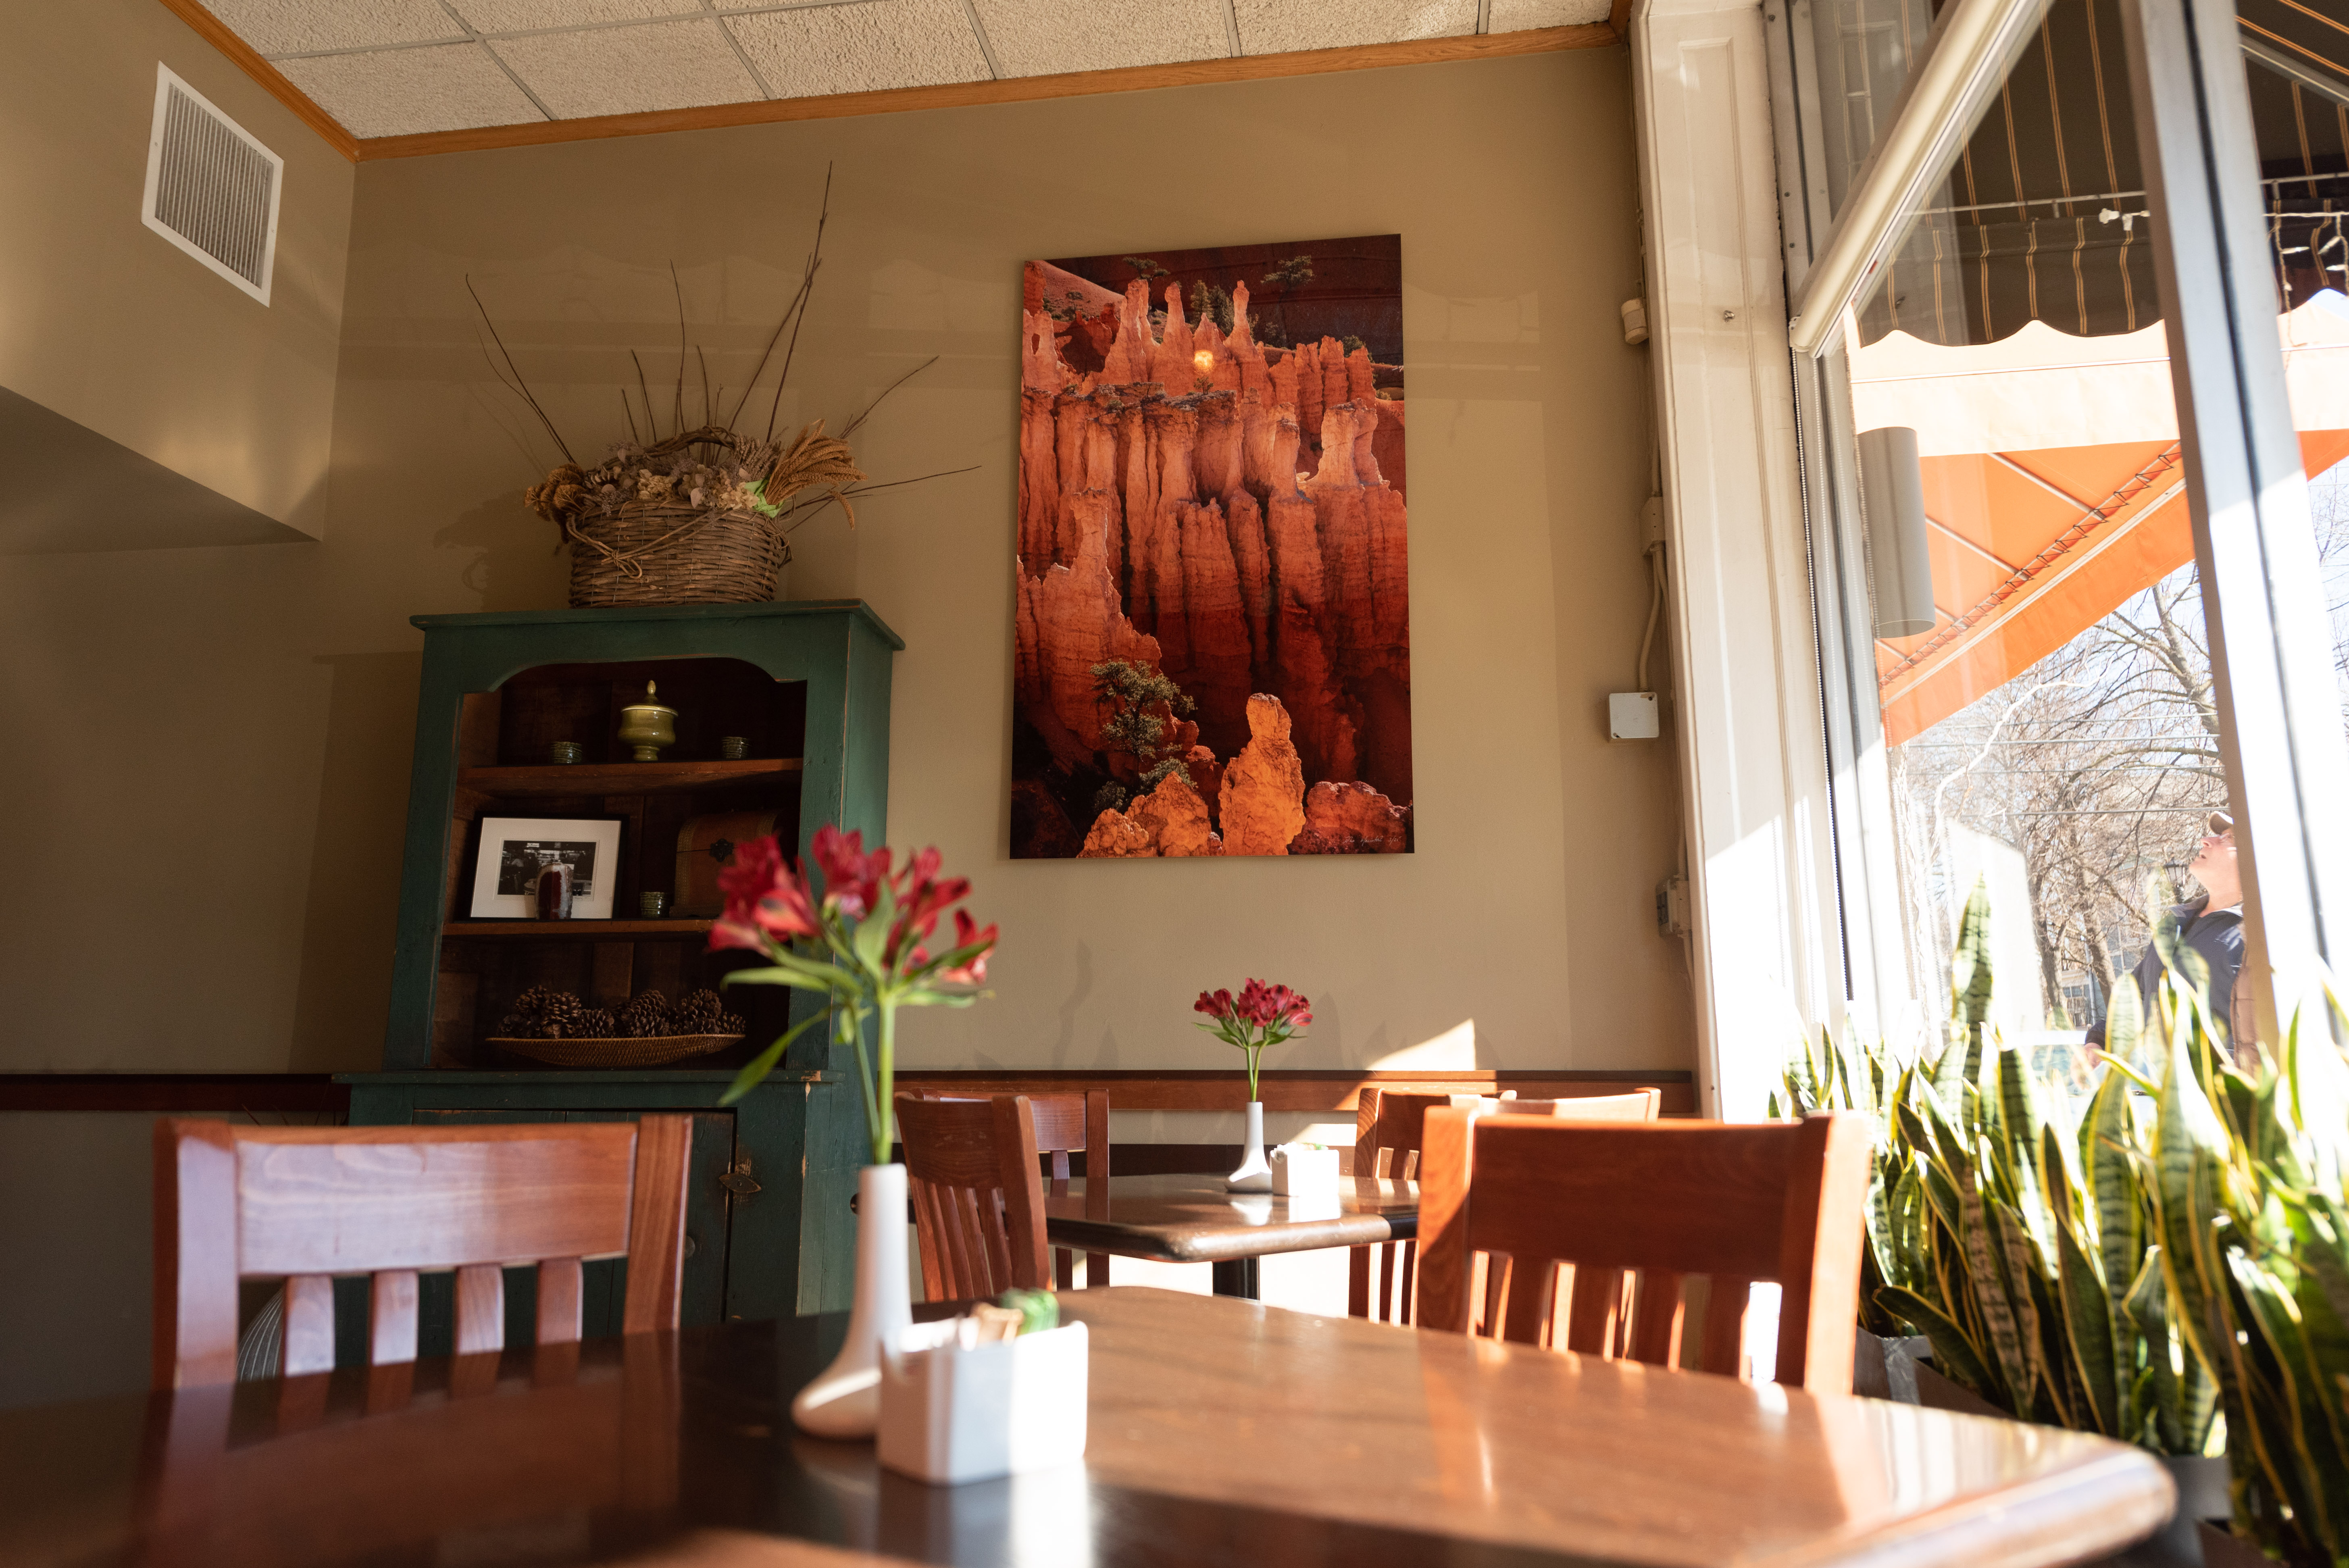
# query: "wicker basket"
{"type": "Point", "coordinates": [651, 553]}
{"type": "Point", "coordinates": [650, 1052]}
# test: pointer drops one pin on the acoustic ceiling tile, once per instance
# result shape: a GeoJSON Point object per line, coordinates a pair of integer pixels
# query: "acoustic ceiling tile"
{"type": "Point", "coordinates": [862, 47]}
{"type": "Point", "coordinates": [629, 70]}
{"type": "Point", "coordinates": [399, 92]}
{"type": "Point", "coordinates": [1280, 26]}
{"type": "Point", "coordinates": [519, 15]}
{"type": "Point", "coordinates": [1045, 37]}
{"type": "Point", "coordinates": [294, 26]}
{"type": "Point", "coordinates": [1520, 16]}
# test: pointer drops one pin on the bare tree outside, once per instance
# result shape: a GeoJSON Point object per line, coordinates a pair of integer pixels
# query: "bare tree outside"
{"type": "Point", "coordinates": [2097, 763]}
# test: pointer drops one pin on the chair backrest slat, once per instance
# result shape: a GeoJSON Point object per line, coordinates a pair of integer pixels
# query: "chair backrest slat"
{"type": "Point", "coordinates": [562, 1300]}
{"type": "Point", "coordinates": [979, 1194]}
{"type": "Point", "coordinates": [310, 1324]}
{"type": "Point", "coordinates": [306, 1204]}
{"type": "Point", "coordinates": [391, 1317]}
{"type": "Point", "coordinates": [1735, 1204]}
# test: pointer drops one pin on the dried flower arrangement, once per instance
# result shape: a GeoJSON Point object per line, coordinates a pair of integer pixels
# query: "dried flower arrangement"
{"type": "Point", "coordinates": [701, 515]}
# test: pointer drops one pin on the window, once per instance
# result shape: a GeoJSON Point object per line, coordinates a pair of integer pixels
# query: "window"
{"type": "Point", "coordinates": [2043, 698]}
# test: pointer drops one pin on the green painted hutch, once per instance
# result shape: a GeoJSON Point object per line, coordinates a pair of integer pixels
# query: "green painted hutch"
{"type": "Point", "coordinates": [770, 1231]}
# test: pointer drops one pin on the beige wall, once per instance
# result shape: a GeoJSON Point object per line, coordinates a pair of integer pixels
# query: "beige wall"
{"type": "Point", "coordinates": [104, 321]}
{"type": "Point", "coordinates": [220, 738]}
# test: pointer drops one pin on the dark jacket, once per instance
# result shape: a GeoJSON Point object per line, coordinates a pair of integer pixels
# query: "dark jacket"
{"type": "Point", "coordinates": [2218, 936]}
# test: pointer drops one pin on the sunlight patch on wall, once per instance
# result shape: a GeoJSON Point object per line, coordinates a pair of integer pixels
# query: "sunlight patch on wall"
{"type": "Point", "coordinates": [1453, 1051]}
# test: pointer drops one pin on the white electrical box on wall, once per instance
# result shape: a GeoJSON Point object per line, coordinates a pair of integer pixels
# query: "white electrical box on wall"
{"type": "Point", "coordinates": [1631, 715]}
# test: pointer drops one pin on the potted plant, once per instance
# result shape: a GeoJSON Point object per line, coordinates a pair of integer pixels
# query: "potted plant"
{"type": "Point", "coordinates": [2172, 1250]}
{"type": "Point", "coordinates": [2009, 1226]}
{"type": "Point", "coordinates": [860, 944]}
{"type": "Point", "coordinates": [2245, 1170]}
{"type": "Point", "coordinates": [1259, 1017]}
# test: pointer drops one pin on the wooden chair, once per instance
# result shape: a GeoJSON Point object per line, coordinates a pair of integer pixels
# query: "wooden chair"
{"type": "Point", "coordinates": [1774, 1201]}
{"type": "Point", "coordinates": [1387, 1124]}
{"type": "Point", "coordinates": [307, 1204]}
{"type": "Point", "coordinates": [972, 1169]}
{"type": "Point", "coordinates": [1066, 1124]}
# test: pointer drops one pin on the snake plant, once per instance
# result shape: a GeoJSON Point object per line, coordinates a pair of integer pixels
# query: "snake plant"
{"type": "Point", "coordinates": [2245, 1170]}
{"type": "Point", "coordinates": [2169, 1252]}
{"type": "Point", "coordinates": [2012, 1225]}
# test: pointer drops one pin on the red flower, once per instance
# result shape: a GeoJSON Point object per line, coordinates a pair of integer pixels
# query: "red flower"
{"type": "Point", "coordinates": [763, 893]}
{"type": "Point", "coordinates": [851, 879]}
{"type": "Point", "coordinates": [788, 911]}
{"type": "Point", "coordinates": [1215, 1004]}
{"type": "Point", "coordinates": [754, 870]}
{"type": "Point", "coordinates": [922, 895]}
{"type": "Point", "coordinates": [967, 931]}
{"type": "Point", "coordinates": [1257, 1007]}
{"type": "Point", "coordinates": [727, 932]}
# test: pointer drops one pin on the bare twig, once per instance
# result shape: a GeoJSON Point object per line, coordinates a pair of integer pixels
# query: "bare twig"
{"type": "Point", "coordinates": [625, 409]}
{"type": "Point", "coordinates": [901, 380]}
{"type": "Point", "coordinates": [807, 289]}
{"type": "Point", "coordinates": [503, 379]}
{"type": "Point", "coordinates": [519, 384]}
{"type": "Point", "coordinates": [773, 339]}
{"type": "Point", "coordinates": [679, 288]}
{"type": "Point", "coordinates": [652, 424]}
{"type": "Point", "coordinates": [705, 382]}
{"type": "Point", "coordinates": [826, 498]}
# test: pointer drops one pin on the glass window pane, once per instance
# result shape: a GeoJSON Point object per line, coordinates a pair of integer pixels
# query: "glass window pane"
{"type": "Point", "coordinates": [2297, 67]}
{"type": "Point", "coordinates": [1865, 51]}
{"type": "Point", "coordinates": [2054, 734]}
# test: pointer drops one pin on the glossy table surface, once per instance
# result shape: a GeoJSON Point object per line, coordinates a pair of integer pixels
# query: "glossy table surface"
{"type": "Point", "coordinates": [1219, 1432]}
{"type": "Point", "coordinates": [1194, 1219]}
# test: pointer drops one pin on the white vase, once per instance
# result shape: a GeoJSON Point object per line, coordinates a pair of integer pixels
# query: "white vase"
{"type": "Point", "coordinates": [845, 1400]}
{"type": "Point", "coordinates": [1254, 1175]}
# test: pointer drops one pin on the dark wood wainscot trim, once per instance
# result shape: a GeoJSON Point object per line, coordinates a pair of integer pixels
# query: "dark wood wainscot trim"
{"type": "Point", "coordinates": [1313, 1090]}
{"type": "Point", "coordinates": [168, 1093]}
{"type": "Point", "coordinates": [1318, 1090]}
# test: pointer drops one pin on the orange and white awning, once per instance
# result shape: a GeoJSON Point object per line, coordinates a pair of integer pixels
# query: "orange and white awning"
{"type": "Point", "coordinates": [2053, 486]}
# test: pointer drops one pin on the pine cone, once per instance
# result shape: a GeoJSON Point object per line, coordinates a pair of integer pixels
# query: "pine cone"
{"type": "Point", "coordinates": [565, 1013]}
{"type": "Point", "coordinates": [592, 1024]}
{"type": "Point", "coordinates": [535, 1014]}
{"type": "Point", "coordinates": [696, 1013]}
{"type": "Point", "coordinates": [647, 1015]}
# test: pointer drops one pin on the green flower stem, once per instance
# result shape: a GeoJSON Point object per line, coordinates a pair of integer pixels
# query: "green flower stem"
{"type": "Point", "coordinates": [879, 1122]}
{"type": "Point", "coordinates": [1255, 1056]}
{"type": "Point", "coordinates": [854, 1030]}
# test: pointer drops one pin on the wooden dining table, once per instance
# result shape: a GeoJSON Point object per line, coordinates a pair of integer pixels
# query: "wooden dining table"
{"type": "Point", "coordinates": [1219, 1432]}
{"type": "Point", "coordinates": [1191, 1218]}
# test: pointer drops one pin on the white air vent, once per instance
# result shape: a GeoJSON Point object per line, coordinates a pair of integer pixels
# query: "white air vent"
{"type": "Point", "coordinates": [212, 190]}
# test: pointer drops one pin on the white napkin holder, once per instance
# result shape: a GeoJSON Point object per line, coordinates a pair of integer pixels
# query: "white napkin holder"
{"type": "Point", "coordinates": [952, 1413]}
{"type": "Point", "coordinates": [1301, 1171]}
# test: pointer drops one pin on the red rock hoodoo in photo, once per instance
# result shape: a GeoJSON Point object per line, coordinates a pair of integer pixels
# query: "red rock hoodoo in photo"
{"type": "Point", "coordinates": [1223, 513]}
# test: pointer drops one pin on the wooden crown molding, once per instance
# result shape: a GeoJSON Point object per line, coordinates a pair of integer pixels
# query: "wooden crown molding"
{"type": "Point", "coordinates": [894, 100]}
{"type": "Point", "coordinates": [241, 55]}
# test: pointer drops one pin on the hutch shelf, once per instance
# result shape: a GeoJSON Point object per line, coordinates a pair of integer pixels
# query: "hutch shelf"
{"type": "Point", "coordinates": [806, 685]}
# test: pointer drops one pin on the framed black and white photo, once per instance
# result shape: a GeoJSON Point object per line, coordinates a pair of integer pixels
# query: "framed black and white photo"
{"type": "Point", "coordinates": [514, 850]}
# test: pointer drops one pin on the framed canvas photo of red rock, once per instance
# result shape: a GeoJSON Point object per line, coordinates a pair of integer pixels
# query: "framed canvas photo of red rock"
{"type": "Point", "coordinates": [1213, 634]}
